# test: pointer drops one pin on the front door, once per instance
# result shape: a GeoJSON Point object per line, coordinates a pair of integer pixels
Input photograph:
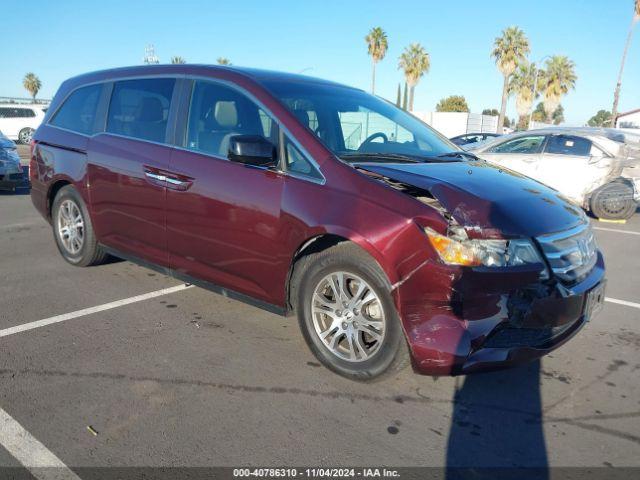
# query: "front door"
{"type": "Point", "coordinates": [125, 169]}
{"type": "Point", "coordinates": [224, 219]}
{"type": "Point", "coordinates": [519, 154]}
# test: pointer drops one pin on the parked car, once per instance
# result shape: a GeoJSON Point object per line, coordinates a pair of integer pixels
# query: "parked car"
{"type": "Point", "coordinates": [597, 169]}
{"type": "Point", "coordinates": [468, 140]}
{"type": "Point", "coordinates": [11, 175]}
{"type": "Point", "coordinates": [18, 122]}
{"type": "Point", "coordinates": [393, 247]}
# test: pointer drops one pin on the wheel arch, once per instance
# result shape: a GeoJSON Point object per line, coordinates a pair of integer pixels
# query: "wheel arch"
{"type": "Point", "coordinates": [55, 187]}
{"type": "Point", "coordinates": [328, 239]}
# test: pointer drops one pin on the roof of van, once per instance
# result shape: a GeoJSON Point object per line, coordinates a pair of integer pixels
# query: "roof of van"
{"type": "Point", "coordinates": [258, 75]}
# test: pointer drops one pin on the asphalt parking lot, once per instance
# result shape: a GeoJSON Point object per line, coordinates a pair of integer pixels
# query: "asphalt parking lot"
{"type": "Point", "coordinates": [190, 378]}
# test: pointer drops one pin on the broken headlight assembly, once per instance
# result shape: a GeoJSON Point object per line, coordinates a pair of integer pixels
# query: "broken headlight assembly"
{"type": "Point", "coordinates": [457, 249]}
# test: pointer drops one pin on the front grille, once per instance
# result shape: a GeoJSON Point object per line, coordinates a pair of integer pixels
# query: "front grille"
{"type": "Point", "coordinates": [572, 254]}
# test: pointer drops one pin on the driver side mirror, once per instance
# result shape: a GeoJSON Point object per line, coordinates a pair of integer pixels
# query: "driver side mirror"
{"type": "Point", "coordinates": [252, 150]}
{"type": "Point", "coordinates": [595, 159]}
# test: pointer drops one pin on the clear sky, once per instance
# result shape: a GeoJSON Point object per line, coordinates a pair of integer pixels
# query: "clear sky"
{"type": "Point", "coordinates": [59, 39]}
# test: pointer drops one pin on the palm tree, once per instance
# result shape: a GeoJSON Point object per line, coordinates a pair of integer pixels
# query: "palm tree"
{"type": "Point", "coordinates": [415, 62]}
{"type": "Point", "coordinates": [377, 46]}
{"type": "Point", "coordinates": [32, 84]}
{"type": "Point", "coordinates": [223, 61]}
{"type": "Point", "coordinates": [616, 93]}
{"type": "Point", "coordinates": [554, 81]}
{"type": "Point", "coordinates": [178, 60]}
{"type": "Point", "coordinates": [509, 50]}
{"type": "Point", "coordinates": [522, 86]}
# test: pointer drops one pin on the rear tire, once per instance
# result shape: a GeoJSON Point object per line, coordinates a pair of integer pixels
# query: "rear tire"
{"type": "Point", "coordinates": [370, 341]}
{"type": "Point", "coordinates": [613, 201]}
{"type": "Point", "coordinates": [73, 231]}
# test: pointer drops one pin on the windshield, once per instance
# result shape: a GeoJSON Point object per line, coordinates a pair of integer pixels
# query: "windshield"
{"type": "Point", "coordinates": [355, 125]}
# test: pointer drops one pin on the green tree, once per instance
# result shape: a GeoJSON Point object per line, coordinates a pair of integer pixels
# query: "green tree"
{"type": "Point", "coordinates": [491, 111]}
{"type": "Point", "coordinates": [377, 45]}
{"type": "Point", "coordinates": [557, 78]}
{"type": "Point", "coordinates": [178, 60]}
{"type": "Point", "coordinates": [616, 94]}
{"type": "Point", "coordinates": [540, 114]}
{"type": "Point", "coordinates": [32, 84]}
{"type": "Point", "coordinates": [453, 103]}
{"type": "Point", "coordinates": [414, 62]}
{"type": "Point", "coordinates": [558, 115]}
{"type": "Point", "coordinates": [399, 97]}
{"type": "Point", "coordinates": [522, 86]}
{"type": "Point", "coordinates": [223, 61]}
{"type": "Point", "coordinates": [509, 50]}
{"type": "Point", "coordinates": [601, 119]}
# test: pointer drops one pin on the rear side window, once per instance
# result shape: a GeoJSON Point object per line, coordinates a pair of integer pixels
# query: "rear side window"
{"type": "Point", "coordinates": [78, 112]}
{"type": "Point", "coordinates": [530, 144]}
{"type": "Point", "coordinates": [12, 112]}
{"type": "Point", "coordinates": [140, 108]}
{"type": "Point", "coordinates": [569, 145]}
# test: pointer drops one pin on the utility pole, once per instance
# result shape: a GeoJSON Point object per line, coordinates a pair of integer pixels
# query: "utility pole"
{"type": "Point", "coordinates": [535, 90]}
{"type": "Point", "coordinates": [616, 93]}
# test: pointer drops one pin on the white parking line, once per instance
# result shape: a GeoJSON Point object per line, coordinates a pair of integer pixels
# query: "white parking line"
{"type": "Point", "coordinates": [622, 302]}
{"type": "Point", "coordinates": [628, 232]}
{"type": "Point", "coordinates": [88, 311]}
{"type": "Point", "coordinates": [32, 454]}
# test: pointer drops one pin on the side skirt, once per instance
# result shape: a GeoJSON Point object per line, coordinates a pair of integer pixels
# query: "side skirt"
{"type": "Point", "coordinates": [225, 292]}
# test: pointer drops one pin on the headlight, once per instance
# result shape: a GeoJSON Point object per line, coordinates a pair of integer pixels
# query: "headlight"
{"type": "Point", "coordinates": [458, 249]}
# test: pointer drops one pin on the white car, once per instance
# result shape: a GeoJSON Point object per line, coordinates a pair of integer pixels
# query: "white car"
{"type": "Point", "coordinates": [19, 122]}
{"type": "Point", "coordinates": [598, 169]}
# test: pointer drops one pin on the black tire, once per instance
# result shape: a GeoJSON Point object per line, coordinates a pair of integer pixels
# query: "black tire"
{"type": "Point", "coordinates": [392, 355]}
{"type": "Point", "coordinates": [91, 252]}
{"type": "Point", "coordinates": [25, 135]}
{"type": "Point", "coordinates": [613, 201]}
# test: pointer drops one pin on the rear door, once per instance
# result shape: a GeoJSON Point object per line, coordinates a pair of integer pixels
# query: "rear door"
{"type": "Point", "coordinates": [572, 165]}
{"type": "Point", "coordinates": [520, 154]}
{"type": "Point", "coordinates": [127, 164]}
{"type": "Point", "coordinates": [224, 218]}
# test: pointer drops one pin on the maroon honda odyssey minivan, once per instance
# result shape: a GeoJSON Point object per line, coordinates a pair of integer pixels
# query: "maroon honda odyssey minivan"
{"type": "Point", "coordinates": [304, 196]}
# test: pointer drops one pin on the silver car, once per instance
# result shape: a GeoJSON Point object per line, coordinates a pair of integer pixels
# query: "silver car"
{"type": "Point", "coordinates": [598, 169]}
{"type": "Point", "coordinates": [11, 175]}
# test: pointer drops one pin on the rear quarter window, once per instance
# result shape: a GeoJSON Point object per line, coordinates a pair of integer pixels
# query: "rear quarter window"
{"type": "Point", "coordinates": [78, 112]}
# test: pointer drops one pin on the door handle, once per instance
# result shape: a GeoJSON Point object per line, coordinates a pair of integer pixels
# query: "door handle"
{"type": "Point", "coordinates": [178, 184]}
{"type": "Point", "coordinates": [155, 176]}
{"type": "Point", "coordinates": [171, 180]}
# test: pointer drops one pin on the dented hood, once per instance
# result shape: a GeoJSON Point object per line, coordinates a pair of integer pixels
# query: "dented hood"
{"type": "Point", "coordinates": [478, 194]}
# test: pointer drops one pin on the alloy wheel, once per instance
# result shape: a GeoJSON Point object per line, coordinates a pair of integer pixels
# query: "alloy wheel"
{"type": "Point", "coordinates": [71, 226]}
{"type": "Point", "coordinates": [26, 135]}
{"type": "Point", "coordinates": [348, 316]}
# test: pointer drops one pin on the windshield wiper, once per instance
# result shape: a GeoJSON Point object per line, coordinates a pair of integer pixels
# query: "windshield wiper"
{"type": "Point", "coordinates": [380, 157]}
{"type": "Point", "coordinates": [462, 155]}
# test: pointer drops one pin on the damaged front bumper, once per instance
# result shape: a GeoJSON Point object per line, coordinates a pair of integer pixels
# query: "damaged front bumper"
{"type": "Point", "coordinates": [463, 320]}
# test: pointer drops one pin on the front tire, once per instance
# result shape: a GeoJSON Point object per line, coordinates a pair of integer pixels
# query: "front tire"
{"type": "Point", "coordinates": [346, 313]}
{"type": "Point", "coordinates": [613, 201]}
{"type": "Point", "coordinates": [73, 231]}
